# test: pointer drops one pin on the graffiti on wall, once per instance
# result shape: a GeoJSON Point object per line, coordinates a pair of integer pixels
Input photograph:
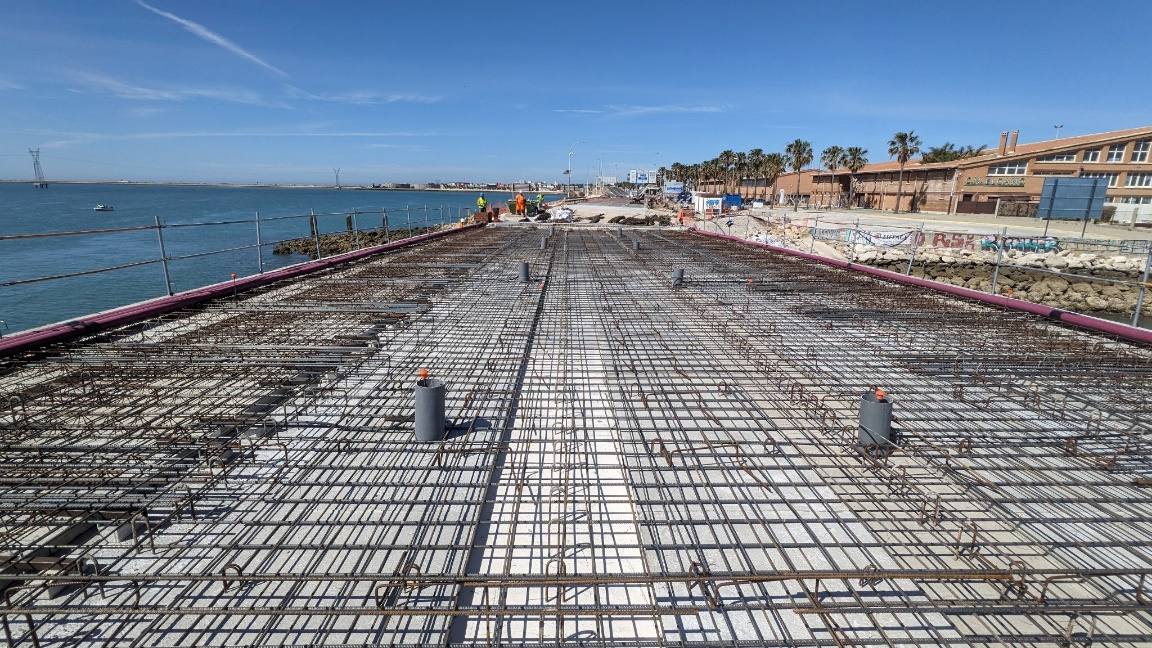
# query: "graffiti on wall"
{"type": "Point", "coordinates": [883, 239]}
{"type": "Point", "coordinates": [950, 240]}
{"type": "Point", "coordinates": [1023, 243]}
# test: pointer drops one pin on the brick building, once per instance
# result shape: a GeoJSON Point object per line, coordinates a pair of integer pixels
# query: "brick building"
{"type": "Point", "coordinates": [1012, 172]}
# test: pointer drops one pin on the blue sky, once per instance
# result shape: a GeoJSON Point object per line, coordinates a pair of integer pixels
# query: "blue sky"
{"type": "Point", "coordinates": [236, 90]}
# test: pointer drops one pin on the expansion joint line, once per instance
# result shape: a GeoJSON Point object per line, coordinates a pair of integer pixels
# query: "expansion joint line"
{"type": "Point", "coordinates": [466, 594]}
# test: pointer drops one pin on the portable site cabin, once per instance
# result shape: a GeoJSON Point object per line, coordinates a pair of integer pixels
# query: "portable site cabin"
{"type": "Point", "coordinates": [708, 204]}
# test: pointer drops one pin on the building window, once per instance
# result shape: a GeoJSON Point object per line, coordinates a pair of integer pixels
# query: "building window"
{"type": "Point", "coordinates": [1132, 200]}
{"type": "Point", "coordinates": [1092, 155]}
{"type": "Point", "coordinates": [1140, 151]}
{"type": "Point", "coordinates": [1058, 157]}
{"type": "Point", "coordinates": [1009, 168]}
{"type": "Point", "coordinates": [1111, 177]}
{"type": "Point", "coordinates": [1138, 180]}
{"type": "Point", "coordinates": [1116, 153]}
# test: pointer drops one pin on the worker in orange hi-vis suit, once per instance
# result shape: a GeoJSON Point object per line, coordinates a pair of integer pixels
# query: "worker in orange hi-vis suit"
{"type": "Point", "coordinates": [520, 203]}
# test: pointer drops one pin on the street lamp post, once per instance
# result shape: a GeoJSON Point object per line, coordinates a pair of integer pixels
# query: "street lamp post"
{"type": "Point", "coordinates": [569, 173]}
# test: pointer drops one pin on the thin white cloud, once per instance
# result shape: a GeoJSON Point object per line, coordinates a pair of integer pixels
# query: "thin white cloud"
{"type": "Point", "coordinates": [629, 110]}
{"type": "Point", "coordinates": [147, 111]}
{"type": "Point", "coordinates": [69, 138]}
{"type": "Point", "coordinates": [5, 84]}
{"type": "Point", "coordinates": [362, 97]}
{"type": "Point", "coordinates": [407, 147]}
{"type": "Point", "coordinates": [125, 90]}
{"type": "Point", "coordinates": [212, 37]}
{"type": "Point", "coordinates": [174, 93]}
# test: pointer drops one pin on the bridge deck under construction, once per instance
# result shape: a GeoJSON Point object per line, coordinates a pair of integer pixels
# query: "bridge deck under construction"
{"type": "Point", "coordinates": [628, 463]}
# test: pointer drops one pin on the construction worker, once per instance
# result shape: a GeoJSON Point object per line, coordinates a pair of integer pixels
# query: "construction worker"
{"type": "Point", "coordinates": [481, 204]}
{"type": "Point", "coordinates": [539, 202]}
{"type": "Point", "coordinates": [520, 203]}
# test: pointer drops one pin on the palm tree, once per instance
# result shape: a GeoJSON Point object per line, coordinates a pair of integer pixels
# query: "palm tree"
{"type": "Point", "coordinates": [739, 170]}
{"type": "Point", "coordinates": [854, 159]}
{"type": "Point", "coordinates": [725, 160]}
{"type": "Point", "coordinates": [713, 171]}
{"type": "Point", "coordinates": [774, 165]}
{"type": "Point", "coordinates": [903, 146]}
{"type": "Point", "coordinates": [755, 164]}
{"type": "Point", "coordinates": [832, 159]}
{"type": "Point", "coordinates": [799, 155]}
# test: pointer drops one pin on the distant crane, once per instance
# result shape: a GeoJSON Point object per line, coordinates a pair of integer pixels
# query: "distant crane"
{"type": "Point", "coordinates": [40, 183]}
{"type": "Point", "coordinates": [337, 172]}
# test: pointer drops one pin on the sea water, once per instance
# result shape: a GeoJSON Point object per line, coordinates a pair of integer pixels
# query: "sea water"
{"type": "Point", "coordinates": [69, 207]}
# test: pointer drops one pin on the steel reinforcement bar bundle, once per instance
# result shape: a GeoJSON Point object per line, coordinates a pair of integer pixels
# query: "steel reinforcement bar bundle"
{"type": "Point", "coordinates": [628, 461]}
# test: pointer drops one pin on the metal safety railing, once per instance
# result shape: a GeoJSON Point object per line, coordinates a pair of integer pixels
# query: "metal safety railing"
{"type": "Point", "coordinates": [391, 221]}
{"type": "Point", "coordinates": [310, 234]}
{"type": "Point", "coordinates": [913, 244]}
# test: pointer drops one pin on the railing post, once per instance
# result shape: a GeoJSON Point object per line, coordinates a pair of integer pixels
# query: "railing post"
{"type": "Point", "coordinates": [425, 216]}
{"type": "Point", "coordinates": [315, 230]}
{"type": "Point", "coordinates": [407, 221]}
{"type": "Point", "coordinates": [384, 218]}
{"type": "Point", "coordinates": [1143, 285]}
{"type": "Point", "coordinates": [856, 235]}
{"type": "Point", "coordinates": [355, 231]}
{"type": "Point", "coordinates": [163, 255]}
{"type": "Point", "coordinates": [815, 226]}
{"type": "Point", "coordinates": [999, 257]}
{"type": "Point", "coordinates": [259, 246]}
{"type": "Point", "coordinates": [915, 248]}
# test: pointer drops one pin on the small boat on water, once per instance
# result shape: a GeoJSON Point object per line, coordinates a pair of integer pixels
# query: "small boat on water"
{"type": "Point", "coordinates": [102, 207]}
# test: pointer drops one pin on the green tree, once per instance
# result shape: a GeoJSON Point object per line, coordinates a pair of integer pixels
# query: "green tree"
{"type": "Point", "coordinates": [774, 165]}
{"type": "Point", "coordinates": [755, 166]}
{"type": "Point", "coordinates": [832, 158]}
{"type": "Point", "coordinates": [855, 158]}
{"type": "Point", "coordinates": [714, 171]}
{"type": "Point", "coordinates": [948, 152]}
{"type": "Point", "coordinates": [903, 146]}
{"type": "Point", "coordinates": [739, 170]}
{"type": "Point", "coordinates": [799, 155]}
{"type": "Point", "coordinates": [724, 161]}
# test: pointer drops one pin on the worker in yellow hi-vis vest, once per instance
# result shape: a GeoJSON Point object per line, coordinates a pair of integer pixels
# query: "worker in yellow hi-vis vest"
{"type": "Point", "coordinates": [481, 204]}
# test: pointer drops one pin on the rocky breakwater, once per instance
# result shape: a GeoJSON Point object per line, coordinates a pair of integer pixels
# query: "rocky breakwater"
{"type": "Point", "coordinates": [345, 241]}
{"type": "Point", "coordinates": [1084, 286]}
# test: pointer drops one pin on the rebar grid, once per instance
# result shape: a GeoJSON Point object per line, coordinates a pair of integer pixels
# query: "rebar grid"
{"type": "Point", "coordinates": [627, 462]}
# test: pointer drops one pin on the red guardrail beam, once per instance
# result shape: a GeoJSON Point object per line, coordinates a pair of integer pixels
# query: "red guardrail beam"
{"type": "Point", "coordinates": [1123, 331]}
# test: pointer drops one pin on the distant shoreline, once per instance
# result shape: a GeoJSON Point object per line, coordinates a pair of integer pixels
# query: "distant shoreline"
{"type": "Point", "coordinates": [237, 185]}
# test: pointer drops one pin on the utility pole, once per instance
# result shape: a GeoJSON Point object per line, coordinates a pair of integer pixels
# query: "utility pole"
{"type": "Point", "coordinates": [1058, 127]}
{"type": "Point", "coordinates": [40, 183]}
{"type": "Point", "coordinates": [337, 172]}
